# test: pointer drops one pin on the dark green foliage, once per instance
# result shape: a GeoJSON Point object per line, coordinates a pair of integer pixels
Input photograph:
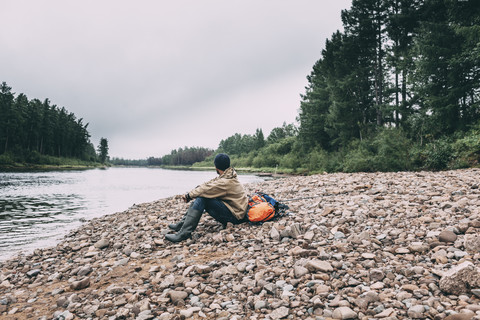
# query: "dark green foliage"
{"type": "Point", "coordinates": [438, 155]}
{"type": "Point", "coordinates": [412, 64]}
{"type": "Point", "coordinates": [181, 157]}
{"type": "Point", "coordinates": [34, 132]}
{"type": "Point", "coordinates": [467, 149]}
{"type": "Point", "coordinates": [127, 162]}
{"type": "Point", "coordinates": [242, 144]}
{"type": "Point", "coordinates": [279, 133]}
{"type": "Point", "coordinates": [103, 150]}
{"type": "Point", "coordinates": [387, 151]}
{"type": "Point", "coordinates": [238, 144]}
{"type": "Point", "coordinates": [272, 154]}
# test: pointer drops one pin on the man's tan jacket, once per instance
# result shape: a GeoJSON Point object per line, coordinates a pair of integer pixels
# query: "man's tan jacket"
{"type": "Point", "coordinates": [226, 188]}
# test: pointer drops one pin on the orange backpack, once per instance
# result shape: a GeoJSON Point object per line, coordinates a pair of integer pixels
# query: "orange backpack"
{"type": "Point", "coordinates": [259, 209]}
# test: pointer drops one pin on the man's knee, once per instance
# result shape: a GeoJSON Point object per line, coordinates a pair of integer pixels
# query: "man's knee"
{"type": "Point", "coordinates": [199, 203]}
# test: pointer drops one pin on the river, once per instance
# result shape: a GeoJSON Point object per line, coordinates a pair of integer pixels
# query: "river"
{"type": "Point", "coordinates": [37, 209]}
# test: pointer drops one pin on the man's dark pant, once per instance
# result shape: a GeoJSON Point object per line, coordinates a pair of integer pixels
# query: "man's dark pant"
{"type": "Point", "coordinates": [217, 209]}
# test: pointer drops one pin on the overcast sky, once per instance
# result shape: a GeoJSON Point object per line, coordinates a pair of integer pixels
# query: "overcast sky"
{"type": "Point", "coordinates": [152, 76]}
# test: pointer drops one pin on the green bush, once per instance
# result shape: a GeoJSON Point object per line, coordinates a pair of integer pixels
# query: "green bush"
{"type": "Point", "coordinates": [317, 161]}
{"type": "Point", "coordinates": [266, 159]}
{"type": "Point", "coordinates": [466, 150]}
{"type": "Point", "coordinates": [290, 161]}
{"type": "Point", "coordinates": [438, 155]}
{"type": "Point", "coordinates": [359, 159]}
{"type": "Point", "coordinates": [6, 159]}
{"type": "Point", "coordinates": [388, 150]}
{"type": "Point", "coordinates": [33, 157]}
{"type": "Point", "coordinates": [391, 151]}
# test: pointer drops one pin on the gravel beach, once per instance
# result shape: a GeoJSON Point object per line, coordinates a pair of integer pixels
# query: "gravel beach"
{"type": "Point", "coordinates": [400, 245]}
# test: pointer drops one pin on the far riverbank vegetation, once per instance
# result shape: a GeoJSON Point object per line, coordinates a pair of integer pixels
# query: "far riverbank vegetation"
{"type": "Point", "coordinates": [40, 135]}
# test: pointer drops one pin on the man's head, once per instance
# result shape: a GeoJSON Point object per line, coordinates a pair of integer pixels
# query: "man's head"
{"type": "Point", "coordinates": [222, 162]}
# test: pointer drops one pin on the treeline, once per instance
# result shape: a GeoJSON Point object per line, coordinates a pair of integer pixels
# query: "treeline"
{"type": "Point", "coordinates": [34, 131]}
{"type": "Point", "coordinates": [181, 157]}
{"type": "Point", "coordinates": [398, 89]}
{"type": "Point", "coordinates": [410, 65]}
{"type": "Point", "coordinates": [128, 162]}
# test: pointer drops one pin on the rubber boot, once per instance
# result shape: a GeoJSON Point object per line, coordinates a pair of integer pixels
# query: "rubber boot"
{"type": "Point", "coordinates": [177, 226]}
{"type": "Point", "coordinates": [189, 225]}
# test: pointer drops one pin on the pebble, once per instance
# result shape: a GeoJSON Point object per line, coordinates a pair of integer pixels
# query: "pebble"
{"type": "Point", "coordinates": [102, 244]}
{"type": "Point", "coordinates": [459, 316]}
{"type": "Point", "coordinates": [280, 313]}
{"type": "Point", "coordinates": [447, 236]}
{"type": "Point", "coordinates": [355, 246]}
{"type": "Point", "coordinates": [188, 313]}
{"type": "Point", "coordinates": [318, 265]}
{"type": "Point", "coordinates": [33, 273]}
{"type": "Point", "coordinates": [344, 313]}
{"type": "Point", "coordinates": [80, 284]}
{"type": "Point", "coordinates": [177, 296]}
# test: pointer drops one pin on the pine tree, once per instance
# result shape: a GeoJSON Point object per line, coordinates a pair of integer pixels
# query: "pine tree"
{"type": "Point", "coordinates": [402, 24]}
{"type": "Point", "coordinates": [314, 108]}
{"type": "Point", "coordinates": [103, 150]}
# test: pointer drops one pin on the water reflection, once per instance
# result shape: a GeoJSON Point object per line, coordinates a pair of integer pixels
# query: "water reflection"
{"type": "Point", "coordinates": [38, 208]}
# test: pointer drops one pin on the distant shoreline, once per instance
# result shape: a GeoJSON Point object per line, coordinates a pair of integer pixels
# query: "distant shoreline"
{"type": "Point", "coordinates": [32, 167]}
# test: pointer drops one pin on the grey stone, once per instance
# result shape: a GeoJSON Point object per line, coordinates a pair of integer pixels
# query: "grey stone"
{"type": "Point", "coordinates": [81, 284]}
{"type": "Point", "coordinates": [447, 236]}
{"type": "Point", "coordinates": [260, 304]}
{"type": "Point", "coordinates": [33, 273]}
{"type": "Point", "coordinates": [318, 265]}
{"type": "Point", "coordinates": [84, 271]}
{"type": "Point", "coordinates": [145, 315]}
{"type": "Point", "coordinates": [344, 313]}
{"type": "Point", "coordinates": [177, 296]}
{"type": "Point", "coordinates": [188, 313]}
{"type": "Point", "coordinates": [102, 244]}
{"type": "Point", "coordinates": [460, 279]}
{"type": "Point", "coordinates": [274, 234]}
{"type": "Point", "coordinates": [300, 271]}
{"type": "Point", "coordinates": [460, 316]}
{"type": "Point", "coordinates": [416, 312]}
{"type": "Point", "coordinates": [279, 313]}
{"type": "Point", "coordinates": [376, 275]}
{"type": "Point", "coordinates": [472, 243]}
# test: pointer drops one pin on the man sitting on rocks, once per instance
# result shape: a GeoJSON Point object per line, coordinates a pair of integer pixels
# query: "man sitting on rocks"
{"type": "Point", "coordinates": [223, 197]}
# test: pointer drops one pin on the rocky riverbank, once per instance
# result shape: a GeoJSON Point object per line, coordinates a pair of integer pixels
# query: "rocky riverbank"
{"type": "Point", "coordinates": [355, 246]}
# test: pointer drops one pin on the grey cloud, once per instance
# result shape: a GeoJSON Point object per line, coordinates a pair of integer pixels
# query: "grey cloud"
{"type": "Point", "coordinates": [140, 71]}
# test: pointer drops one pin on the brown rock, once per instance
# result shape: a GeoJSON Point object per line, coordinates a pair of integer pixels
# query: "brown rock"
{"type": "Point", "coordinates": [177, 296]}
{"type": "Point", "coordinates": [472, 243]}
{"type": "Point", "coordinates": [447, 236]}
{"type": "Point", "coordinates": [460, 316]}
{"type": "Point", "coordinates": [460, 279]}
{"type": "Point", "coordinates": [475, 224]}
{"type": "Point", "coordinates": [318, 265]}
{"type": "Point", "coordinates": [102, 243]}
{"type": "Point", "coordinates": [327, 211]}
{"type": "Point", "coordinates": [81, 284]}
{"type": "Point", "coordinates": [409, 287]}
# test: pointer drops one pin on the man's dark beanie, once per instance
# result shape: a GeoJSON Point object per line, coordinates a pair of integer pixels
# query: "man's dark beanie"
{"type": "Point", "coordinates": [222, 161]}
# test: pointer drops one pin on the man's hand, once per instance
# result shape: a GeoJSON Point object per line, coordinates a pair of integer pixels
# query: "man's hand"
{"type": "Point", "coordinates": [185, 197]}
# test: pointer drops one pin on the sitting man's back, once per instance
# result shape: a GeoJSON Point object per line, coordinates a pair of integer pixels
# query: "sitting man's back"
{"type": "Point", "coordinates": [223, 197]}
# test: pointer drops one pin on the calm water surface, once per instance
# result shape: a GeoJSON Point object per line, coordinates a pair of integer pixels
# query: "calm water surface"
{"type": "Point", "coordinates": [37, 209]}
